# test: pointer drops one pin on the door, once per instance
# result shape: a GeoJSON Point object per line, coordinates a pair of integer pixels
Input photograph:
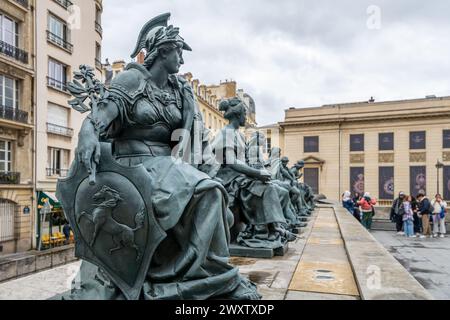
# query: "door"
{"type": "Point", "coordinates": [312, 178]}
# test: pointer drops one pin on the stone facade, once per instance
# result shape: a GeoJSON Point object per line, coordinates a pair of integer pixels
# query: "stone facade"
{"type": "Point", "coordinates": [335, 124]}
{"type": "Point", "coordinates": [16, 128]}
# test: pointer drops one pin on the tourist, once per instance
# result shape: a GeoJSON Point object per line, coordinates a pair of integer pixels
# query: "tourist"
{"type": "Point", "coordinates": [424, 212]}
{"type": "Point", "coordinates": [439, 208]}
{"type": "Point", "coordinates": [397, 212]}
{"type": "Point", "coordinates": [347, 202]}
{"type": "Point", "coordinates": [66, 231]}
{"type": "Point", "coordinates": [367, 209]}
{"type": "Point", "coordinates": [408, 217]}
{"type": "Point", "coordinates": [357, 211]}
{"type": "Point", "coordinates": [417, 220]}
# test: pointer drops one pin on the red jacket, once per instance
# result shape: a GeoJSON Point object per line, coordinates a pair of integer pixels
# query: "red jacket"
{"type": "Point", "coordinates": [367, 206]}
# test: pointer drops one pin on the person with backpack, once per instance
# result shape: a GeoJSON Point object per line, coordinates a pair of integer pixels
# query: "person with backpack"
{"type": "Point", "coordinates": [439, 208]}
{"type": "Point", "coordinates": [367, 208]}
{"type": "Point", "coordinates": [424, 213]}
{"type": "Point", "coordinates": [417, 220]}
{"type": "Point", "coordinates": [397, 213]}
{"type": "Point", "coordinates": [347, 202]}
{"type": "Point", "coordinates": [356, 211]}
{"type": "Point", "coordinates": [408, 218]}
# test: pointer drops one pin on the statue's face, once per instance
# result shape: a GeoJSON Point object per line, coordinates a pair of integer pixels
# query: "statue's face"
{"type": "Point", "coordinates": [174, 60]}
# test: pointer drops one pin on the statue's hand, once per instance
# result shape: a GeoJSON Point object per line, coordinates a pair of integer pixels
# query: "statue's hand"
{"type": "Point", "coordinates": [88, 152]}
{"type": "Point", "coordinates": [264, 176]}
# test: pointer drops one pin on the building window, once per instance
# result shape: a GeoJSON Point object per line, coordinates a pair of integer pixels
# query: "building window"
{"type": "Point", "coordinates": [357, 142]}
{"type": "Point", "coordinates": [5, 156]}
{"type": "Point", "coordinates": [268, 145]}
{"type": "Point", "coordinates": [210, 121]}
{"type": "Point", "coordinates": [9, 31]}
{"type": "Point", "coordinates": [98, 21]}
{"type": "Point", "coordinates": [311, 144]}
{"type": "Point", "coordinates": [58, 120]}
{"type": "Point", "coordinates": [57, 162]}
{"type": "Point", "coordinates": [386, 141]}
{"type": "Point", "coordinates": [417, 140]}
{"type": "Point", "coordinates": [357, 180]}
{"type": "Point", "coordinates": [446, 174]}
{"type": "Point", "coordinates": [57, 75]}
{"type": "Point", "coordinates": [446, 139]}
{"type": "Point", "coordinates": [9, 92]}
{"type": "Point", "coordinates": [417, 180]}
{"type": "Point", "coordinates": [311, 178]}
{"type": "Point", "coordinates": [58, 33]}
{"type": "Point", "coordinates": [386, 183]}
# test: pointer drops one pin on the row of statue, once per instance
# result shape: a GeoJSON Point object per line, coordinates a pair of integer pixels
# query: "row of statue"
{"type": "Point", "coordinates": [151, 226]}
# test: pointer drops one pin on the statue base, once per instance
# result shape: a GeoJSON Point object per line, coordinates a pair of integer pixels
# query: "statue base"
{"type": "Point", "coordinates": [261, 253]}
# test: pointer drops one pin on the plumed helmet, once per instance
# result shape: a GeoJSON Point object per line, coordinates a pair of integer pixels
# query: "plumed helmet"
{"type": "Point", "coordinates": [157, 32]}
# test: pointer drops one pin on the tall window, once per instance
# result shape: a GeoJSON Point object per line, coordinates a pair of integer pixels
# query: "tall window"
{"type": "Point", "coordinates": [5, 156]}
{"type": "Point", "coordinates": [58, 115]}
{"type": "Point", "coordinates": [357, 142]}
{"type": "Point", "coordinates": [357, 180]}
{"type": "Point", "coordinates": [59, 30]}
{"type": "Point", "coordinates": [446, 139]}
{"type": "Point", "coordinates": [417, 140]}
{"type": "Point", "coordinates": [311, 178]}
{"type": "Point", "coordinates": [57, 161]}
{"type": "Point", "coordinates": [57, 73]}
{"type": "Point", "coordinates": [446, 180]}
{"type": "Point", "coordinates": [268, 145]}
{"type": "Point", "coordinates": [386, 183]}
{"type": "Point", "coordinates": [417, 180]}
{"type": "Point", "coordinates": [9, 92]}
{"type": "Point", "coordinates": [9, 31]}
{"type": "Point", "coordinates": [311, 144]}
{"type": "Point", "coordinates": [386, 141]}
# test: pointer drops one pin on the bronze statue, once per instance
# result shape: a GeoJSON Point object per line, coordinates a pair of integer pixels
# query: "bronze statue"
{"type": "Point", "coordinates": [158, 224]}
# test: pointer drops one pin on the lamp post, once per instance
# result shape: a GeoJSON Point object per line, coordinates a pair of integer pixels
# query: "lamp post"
{"type": "Point", "coordinates": [439, 165]}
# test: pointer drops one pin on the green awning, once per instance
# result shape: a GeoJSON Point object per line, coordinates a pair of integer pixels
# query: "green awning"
{"type": "Point", "coordinates": [51, 198]}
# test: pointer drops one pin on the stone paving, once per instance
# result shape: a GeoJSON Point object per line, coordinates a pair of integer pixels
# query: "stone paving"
{"type": "Point", "coordinates": [428, 260]}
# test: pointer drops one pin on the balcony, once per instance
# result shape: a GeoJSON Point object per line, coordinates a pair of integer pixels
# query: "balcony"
{"type": "Point", "coordinates": [98, 28]}
{"type": "Point", "coordinates": [52, 172]}
{"type": "Point", "coordinates": [64, 3]}
{"type": "Point", "coordinates": [9, 177]}
{"type": "Point", "coordinates": [60, 42]}
{"type": "Point", "coordinates": [13, 114]}
{"type": "Point", "coordinates": [23, 3]}
{"type": "Point", "coordinates": [13, 52]}
{"type": "Point", "coordinates": [59, 130]}
{"type": "Point", "coordinates": [58, 85]}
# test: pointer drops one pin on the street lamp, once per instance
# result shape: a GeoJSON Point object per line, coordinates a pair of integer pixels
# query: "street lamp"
{"type": "Point", "coordinates": [439, 165]}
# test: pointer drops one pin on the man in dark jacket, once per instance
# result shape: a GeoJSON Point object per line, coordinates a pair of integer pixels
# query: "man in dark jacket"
{"type": "Point", "coordinates": [397, 212]}
{"type": "Point", "coordinates": [424, 211]}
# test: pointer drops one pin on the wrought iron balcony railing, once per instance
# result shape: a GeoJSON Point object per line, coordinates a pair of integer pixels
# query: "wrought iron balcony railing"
{"type": "Point", "coordinates": [13, 114]}
{"type": "Point", "coordinates": [23, 3]}
{"type": "Point", "coordinates": [13, 52]}
{"type": "Point", "coordinates": [60, 42]}
{"type": "Point", "coordinates": [98, 28]}
{"type": "Point", "coordinates": [51, 172]}
{"type": "Point", "coordinates": [56, 84]}
{"type": "Point", "coordinates": [62, 131]}
{"type": "Point", "coordinates": [9, 177]}
{"type": "Point", "coordinates": [64, 3]}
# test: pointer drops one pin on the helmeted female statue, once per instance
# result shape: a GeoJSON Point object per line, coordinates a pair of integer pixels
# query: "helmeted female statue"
{"type": "Point", "coordinates": [145, 107]}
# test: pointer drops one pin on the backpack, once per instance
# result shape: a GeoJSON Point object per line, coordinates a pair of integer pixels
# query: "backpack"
{"type": "Point", "coordinates": [442, 213]}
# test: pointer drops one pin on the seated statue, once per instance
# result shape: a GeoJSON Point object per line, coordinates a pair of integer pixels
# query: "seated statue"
{"type": "Point", "coordinates": [142, 207]}
{"type": "Point", "coordinates": [306, 192]}
{"type": "Point", "coordinates": [249, 189]}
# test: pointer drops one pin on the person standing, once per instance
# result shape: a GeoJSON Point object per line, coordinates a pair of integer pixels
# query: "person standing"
{"type": "Point", "coordinates": [408, 218]}
{"type": "Point", "coordinates": [417, 220]}
{"type": "Point", "coordinates": [397, 212]}
{"type": "Point", "coordinates": [367, 209]}
{"type": "Point", "coordinates": [347, 202]}
{"type": "Point", "coordinates": [356, 211]}
{"type": "Point", "coordinates": [424, 212]}
{"type": "Point", "coordinates": [439, 208]}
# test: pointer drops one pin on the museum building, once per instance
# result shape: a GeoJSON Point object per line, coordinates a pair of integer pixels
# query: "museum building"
{"type": "Point", "coordinates": [377, 147]}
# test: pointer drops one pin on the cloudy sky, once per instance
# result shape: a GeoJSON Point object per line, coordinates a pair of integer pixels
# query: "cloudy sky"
{"type": "Point", "coordinates": [298, 53]}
